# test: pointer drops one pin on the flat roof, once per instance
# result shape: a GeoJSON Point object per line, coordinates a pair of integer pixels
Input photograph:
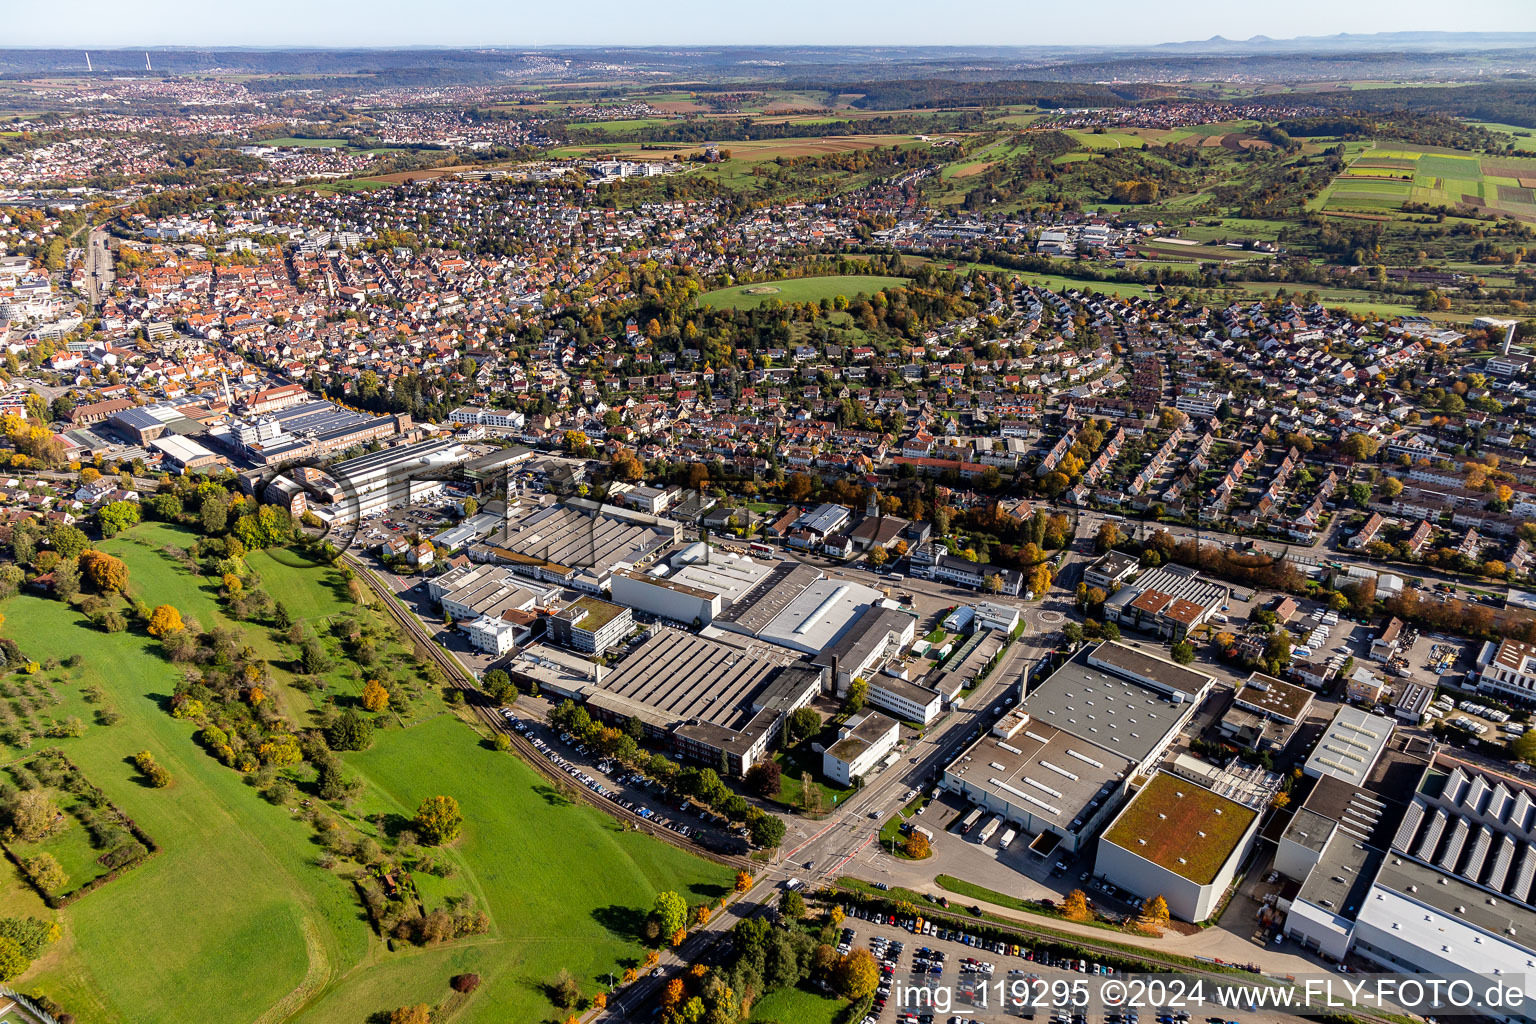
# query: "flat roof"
{"type": "Point", "coordinates": [869, 632]}
{"type": "Point", "coordinates": [783, 584]}
{"type": "Point", "coordinates": [1454, 900]}
{"type": "Point", "coordinates": [1351, 745]}
{"type": "Point", "coordinates": [398, 455]}
{"type": "Point", "coordinates": [1274, 697]}
{"type": "Point", "coordinates": [730, 577]}
{"type": "Point", "coordinates": [1343, 876]}
{"type": "Point", "coordinates": [867, 729]}
{"type": "Point", "coordinates": [1104, 708]}
{"type": "Point", "coordinates": [1182, 827]}
{"type": "Point", "coordinates": [1137, 664]}
{"type": "Point", "coordinates": [598, 613]}
{"type": "Point", "coordinates": [1051, 774]}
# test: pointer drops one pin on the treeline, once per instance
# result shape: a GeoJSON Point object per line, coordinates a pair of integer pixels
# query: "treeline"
{"type": "Point", "coordinates": [1504, 102]}
{"type": "Point", "coordinates": [739, 129]}
{"type": "Point", "coordinates": [904, 94]}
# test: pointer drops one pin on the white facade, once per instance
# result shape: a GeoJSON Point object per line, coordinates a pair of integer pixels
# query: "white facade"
{"type": "Point", "coordinates": [665, 598]}
{"type": "Point", "coordinates": [908, 700]}
{"type": "Point", "coordinates": [494, 636]}
{"type": "Point", "coordinates": [864, 741]}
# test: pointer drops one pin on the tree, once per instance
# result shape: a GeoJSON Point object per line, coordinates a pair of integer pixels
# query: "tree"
{"type": "Point", "coordinates": [349, 731]}
{"type": "Point", "coordinates": [803, 722]}
{"type": "Point", "coordinates": [12, 960]}
{"type": "Point", "coordinates": [280, 617]}
{"type": "Point", "coordinates": [858, 693]}
{"type": "Point", "coordinates": [765, 778]}
{"type": "Point", "coordinates": [1108, 536]}
{"type": "Point", "coordinates": [671, 912]}
{"type": "Point", "coordinates": [1183, 652]}
{"type": "Point", "coordinates": [1156, 910]}
{"type": "Point", "coordinates": [857, 974]}
{"type": "Point", "coordinates": [878, 556]}
{"type": "Point", "coordinates": [565, 993]}
{"type": "Point", "coordinates": [103, 572]}
{"type": "Point", "coordinates": [916, 846]}
{"type": "Point", "coordinates": [1360, 446]}
{"type": "Point", "coordinates": [47, 873]}
{"type": "Point", "coordinates": [1075, 906]}
{"type": "Point", "coordinates": [1391, 487]}
{"type": "Point", "coordinates": [213, 514]}
{"type": "Point", "coordinates": [792, 904]}
{"type": "Point", "coordinates": [421, 1013]}
{"type": "Point", "coordinates": [375, 697]}
{"type": "Point", "coordinates": [743, 881]}
{"type": "Point", "coordinates": [767, 831]}
{"type": "Point", "coordinates": [438, 820]}
{"type": "Point", "coordinates": [33, 815]}
{"type": "Point", "coordinates": [164, 621]}
{"type": "Point", "coordinates": [464, 983]}
{"type": "Point", "coordinates": [117, 516]}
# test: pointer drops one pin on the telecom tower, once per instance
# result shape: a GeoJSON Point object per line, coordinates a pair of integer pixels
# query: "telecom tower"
{"type": "Point", "coordinates": [147, 66]}
{"type": "Point", "coordinates": [88, 67]}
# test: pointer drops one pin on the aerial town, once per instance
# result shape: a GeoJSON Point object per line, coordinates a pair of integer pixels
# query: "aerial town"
{"type": "Point", "coordinates": [781, 534]}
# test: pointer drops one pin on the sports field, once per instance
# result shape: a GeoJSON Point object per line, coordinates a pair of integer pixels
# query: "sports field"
{"type": "Point", "coordinates": [260, 931]}
{"type": "Point", "coordinates": [805, 289]}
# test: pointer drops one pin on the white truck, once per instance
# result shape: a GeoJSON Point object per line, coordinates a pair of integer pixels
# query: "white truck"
{"type": "Point", "coordinates": [1002, 844]}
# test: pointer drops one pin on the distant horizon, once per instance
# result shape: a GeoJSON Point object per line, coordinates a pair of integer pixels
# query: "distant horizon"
{"type": "Point", "coordinates": [467, 24]}
{"type": "Point", "coordinates": [129, 47]}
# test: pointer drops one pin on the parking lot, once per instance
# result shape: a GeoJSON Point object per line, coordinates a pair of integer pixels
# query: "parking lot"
{"type": "Point", "coordinates": [629, 790]}
{"type": "Point", "coordinates": [936, 972]}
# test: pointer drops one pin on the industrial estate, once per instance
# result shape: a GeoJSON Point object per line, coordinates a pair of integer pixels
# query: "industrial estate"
{"type": "Point", "coordinates": [752, 534]}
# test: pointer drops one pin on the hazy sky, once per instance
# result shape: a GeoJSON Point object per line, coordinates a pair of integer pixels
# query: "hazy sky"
{"type": "Point", "coordinates": [100, 23]}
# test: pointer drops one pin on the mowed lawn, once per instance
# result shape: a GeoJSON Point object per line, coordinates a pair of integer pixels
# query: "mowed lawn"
{"type": "Point", "coordinates": [796, 1006]}
{"type": "Point", "coordinates": [234, 922]}
{"type": "Point", "coordinates": [805, 289]}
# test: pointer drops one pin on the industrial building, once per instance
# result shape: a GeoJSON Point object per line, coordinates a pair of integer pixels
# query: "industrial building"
{"type": "Point", "coordinates": [692, 591]}
{"type": "Point", "coordinates": [1170, 601]}
{"type": "Point", "coordinates": [471, 591]}
{"type": "Point", "coordinates": [1177, 840]}
{"type": "Point", "coordinates": [1111, 570]}
{"type": "Point", "coordinates": [577, 543]}
{"type": "Point", "coordinates": [1427, 866]}
{"type": "Point", "coordinates": [1350, 746]}
{"type": "Point", "coordinates": [390, 477]}
{"type": "Point", "coordinates": [1265, 713]}
{"type": "Point", "coordinates": [703, 698]}
{"type": "Point", "coordinates": [184, 454]}
{"type": "Point", "coordinates": [876, 634]}
{"type": "Point", "coordinates": [590, 625]}
{"type": "Point", "coordinates": [1055, 786]}
{"type": "Point", "coordinates": [1057, 764]}
{"type": "Point", "coordinates": [862, 742]}
{"type": "Point", "coordinates": [797, 607]}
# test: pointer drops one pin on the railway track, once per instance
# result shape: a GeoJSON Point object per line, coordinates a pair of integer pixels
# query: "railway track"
{"type": "Point", "coordinates": [487, 713]}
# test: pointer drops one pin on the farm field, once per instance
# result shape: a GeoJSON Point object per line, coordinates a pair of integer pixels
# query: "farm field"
{"type": "Point", "coordinates": [1379, 180]}
{"type": "Point", "coordinates": [251, 867]}
{"type": "Point", "coordinates": [805, 289]}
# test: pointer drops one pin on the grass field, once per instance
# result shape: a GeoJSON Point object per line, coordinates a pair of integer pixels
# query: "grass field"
{"type": "Point", "coordinates": [796, 1006]}
{"type": "Point", "coordinates": [805, 289]}
{"type": "Point", "coordinates": [244, 922]}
